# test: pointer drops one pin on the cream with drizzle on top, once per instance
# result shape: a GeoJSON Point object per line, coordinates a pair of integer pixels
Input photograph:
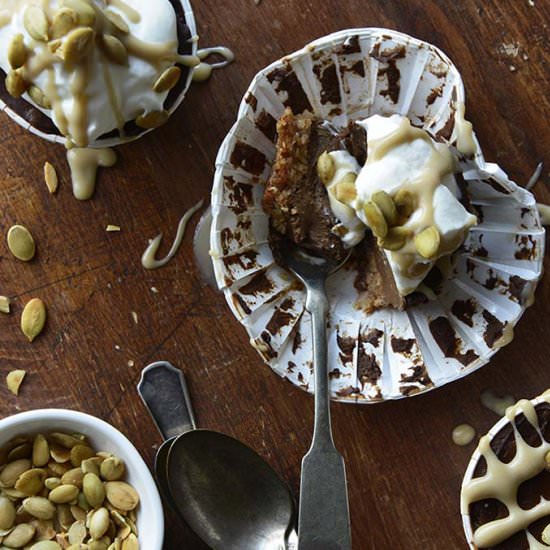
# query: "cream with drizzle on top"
{"type": "Point", "coordinates": [501, 481]}
{"type": "Point", "coordinates": [148, 259]}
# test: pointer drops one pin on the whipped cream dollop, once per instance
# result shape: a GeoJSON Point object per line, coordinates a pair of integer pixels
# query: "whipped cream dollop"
{"type": "Point", "coordinates": [114, 82]}
{"type": "Point", "coordinates": [414, 173]}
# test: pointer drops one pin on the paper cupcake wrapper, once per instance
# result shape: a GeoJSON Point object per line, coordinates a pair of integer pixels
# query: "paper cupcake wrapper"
{"type": "Point", "coordinates": [387, 354]}
{"type": "Point", "coordinates": [470, 470]}
{"type": "Point", "coordinates": [112, 141]}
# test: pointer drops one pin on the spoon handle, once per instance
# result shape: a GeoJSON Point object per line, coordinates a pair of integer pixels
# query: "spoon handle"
{"type": "Point", "coordinates": [163, 390]}
{"type": "Point", "coordinates": [323, 521]}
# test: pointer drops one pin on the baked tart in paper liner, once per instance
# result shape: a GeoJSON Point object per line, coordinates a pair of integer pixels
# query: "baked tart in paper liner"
{"type": "Point", "coordinates": [506, 489]}
{"type": "Point", "coordinates": [38, 118]}
{"type": "Point", "coordinates": [477, 294]}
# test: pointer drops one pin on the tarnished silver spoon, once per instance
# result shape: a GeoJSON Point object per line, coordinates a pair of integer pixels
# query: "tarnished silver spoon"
{"type": "Point", "coordinates": [226, 493]}
{"type": "Point", "coordinates": [324, 509]}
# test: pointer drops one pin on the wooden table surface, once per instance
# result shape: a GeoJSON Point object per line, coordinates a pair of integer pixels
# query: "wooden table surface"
{"type": "Point", "coordinates": [404, 471]}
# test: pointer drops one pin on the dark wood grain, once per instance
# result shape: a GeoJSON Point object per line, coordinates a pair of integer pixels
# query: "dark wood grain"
{"type": "Point", "coordinates": [404, 472]}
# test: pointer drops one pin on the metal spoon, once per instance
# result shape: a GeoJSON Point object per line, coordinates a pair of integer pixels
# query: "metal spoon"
{"type": "Point", "coordinates": [324, 508]}
{"type": "Point", "coordinates": [223, 490]}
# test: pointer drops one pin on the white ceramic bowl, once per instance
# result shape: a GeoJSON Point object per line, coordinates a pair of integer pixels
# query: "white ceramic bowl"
{"type": "Point", "coordinates": [103, 437]}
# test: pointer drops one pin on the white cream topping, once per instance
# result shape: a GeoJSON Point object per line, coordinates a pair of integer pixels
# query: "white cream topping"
{"type": "Point", "coordinates": [401, 157]}
{"type": "Point", "coordinates": [502, 481]}
{"type": "Point", "coordinates": [131, 84]}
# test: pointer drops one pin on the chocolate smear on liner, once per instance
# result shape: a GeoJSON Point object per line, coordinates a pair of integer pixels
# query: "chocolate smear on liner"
{"type": "Point", "coordinates": [446, 338]}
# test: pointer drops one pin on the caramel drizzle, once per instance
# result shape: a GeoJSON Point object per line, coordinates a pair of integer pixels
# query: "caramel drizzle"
{"type": "Point", "coordinates": [148, 260]}
{"type": "Point", "coordinates": [79, 118]}
{"type": "Point", "coordinates": [464, 133]}
{"type": "Point", "coordinates": [501, 481]}
{"type": "Point", "coordinates": [84, 163]}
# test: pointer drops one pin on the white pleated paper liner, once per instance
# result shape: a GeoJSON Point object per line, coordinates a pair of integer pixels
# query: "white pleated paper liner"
{"type": "Point", "coordinates": [388, 354]}
{"type": "Point", "coordinates": [116, 140]}
{"type": "Point", "coordinates": [473, 464]}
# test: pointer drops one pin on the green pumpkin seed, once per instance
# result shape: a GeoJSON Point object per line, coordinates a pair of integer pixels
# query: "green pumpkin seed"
{"type": "Point", "coordinates": [63, 22]}
{"type": "Point", "coordinates": [130, 543]}
{"type": "Point", "coordinates": [51, 483]}
{"type": "Point", "coordinates": [64, 494]}
{"type": "Point", "coordinates": [325, 168]}
{"type": "Point", "coordinates": [33, 318]}
{"type": "Point", "coordinates": [84, 11]}
{"type": "Point", "coordinates": [21, 451]}
{"type": "Point", "coordinates": [94, 490]}
{"type": "Point", "coordinates": [375, 219]}
{"type": "Point", "coordinates": [31, 482]}
{"type": "Point", "coordinates": [14, 379]}
{"type": "Point", "coordinates": [91, 465]}
{"type": "Point", "coordinates": [395, 239]}
{"type": "Point", "coordinates": [36, 23]}
{"type": "Point", "coordinates": [99, 523]}
{"type": "Point", "coordinates": [386, 205]}
{"type": "Point", "coordinates": [117, 21]}
{"type": "Point", "coordinates": [39, 507]}
{"type": "Point", "coordinates": [167, 80]}
{"type": "Point", "coordinates": [73, 477]}
{"type": "Point", "coordinates": [405, 202]}
{"type": "Point", "coordinates": [345, 190]}
{"type": "Point", "coordinates": [15, 83]}
{"type": "Point", "coordinates": [7, 513]}
{"type": "Point", "coordinates": [427, 242]}
{"type": "Point", "coordinates": [112, 469]}
{"type": "Point", "coordinates": [46, 545]}
{"type": "Point", "coordinates": [4, 304]}
{"type": "Point", "coordinates": [17, 52]}
{"type": "Point", "coordinates": [80, 453]}
{"type": "Point", "coordinates": [21, 243]}
{"type": "Point", "coordinates": [77, 45]}
{"type": "Point", "coordinates": [121, 495]}
{"type": "Point", "coordinates": [151, 120]}
{"type": "Point", "coordinates": [64, 516]}
{"type": "Point", "coordinates": [40, 451]}
{"type": "Point", "coordinates": [77, 532]}
{"type": "Point", "coordinates": [114, 49]}
{"type": "Point", "coordinates": [39, 97]}
{"type": "Point", "coordinates": [12, 471]}
{"type": "Point", "coordinates": [21, 535]}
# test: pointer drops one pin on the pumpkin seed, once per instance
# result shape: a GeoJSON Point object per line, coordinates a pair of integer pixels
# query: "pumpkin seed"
{"type": "Point", "coordinates": [77, 532]}
{"type": "Point", "coordinates": [60, 454]}
{"type": "Point", "coordinates": [112, 469]}
{"type": "Point", "coordinates": [44, 529]}
{"type": "Point", "coordinates": [57, 470]}
{"type": "Point", "coordinates": [386, 205]}
{"type": "Point", "coordinates": [12, 493]}
{"type": "Point", "coordinates": [167, 80]}
{"type": "Point", "coordinates": [78, 513]}
{"type": "Point", "coordinates": [151, 120]}
{"type": "Point", "coordinates": [427, 242]}
{"type": "Point", "coordinates": [94, 490]}
{"type": "Point", "coordinates": [52, 482]}
{"type": "Point", "coordinates": [80, 453]}
{"type": "Point", "coordinates": [46, 545]}
{"type": "Point", "coordinates": [33, 318]}
{"type": "Point", "coordinates": [64, 494]}
{"type": "Point", "coordinates": [73, 477]}
{"type": "Point", "coordinates": [375, 219]}
{"type": "Point", "coordinates": [63, 22]}
{"type": "Point", "coordinates": [39, 97]}
{"type": "Point", "coordinates": [325, 168]}
{"type": "Point", "coordinates": [345, 190]}
{"type": "Point", "coordinates": [114, 49]}
{"type": "Point", "coordinates": [83, 502]}
{"type": "Point", "coordinates": [116, 21]}
{"type": "Point", "coordinates": [64, 516]}
{"type": "Point", "coordinates": [130, 543]}
{"type": "Point", "coordinates": [395, 239]}
{"type": "Point", "coordinates": [15, 83]}
{"type": "Point", "coordinates": [91, 465]}
{"type": "Point", "coordinates": [4, 304]}
{"type": "Point", "coordinates": [17, 52]}
{"type": "Point", "coordinates": [121, 495]}
{"type": "Point", "coordinates": [20, 451]}
{"type": "Point", "coordinates": [35, 22]}
{"type": "Point", "coordinates": [40, 451]}
{"type": "Point", "coordinates": [98, 545]}
{"type": "Point", "coordinates": [39, 507]}
{"type": "Point", "coordinates": [21, 243]}
{"type": "Point", "coordinates": [21, 535]}
{"type": "Point", "coordinates": [405, 202]}
{"type": "Point", "coordinates": [99, 523]}
{"type": "Point", "coordinates": [65, 440]}
{"type": "Point", "coordinates": [7, 513]}
{"type": "Point", "coordinates": [12, 471]}
{"type": "Point", "coordinates": [14, 379]}
{"type": "Point", "coordinates": [84, 11]}
{"type": "Point", "coordinates": [31, 482]}
{"type": "Point", "coordinates": [78, 44]}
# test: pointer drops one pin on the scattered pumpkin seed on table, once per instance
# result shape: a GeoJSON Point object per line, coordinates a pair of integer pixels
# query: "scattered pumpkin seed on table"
{"type": "Point", "coordinates": [21, 243]}
{"type": "Point", "coordinates": [4, 304]}
{"type": "Point", "coordinates": [33, 318]}
{"type": "Point", "coordinates": [50, 177]}
{"type": "Point", "coordinates": [14, 379]}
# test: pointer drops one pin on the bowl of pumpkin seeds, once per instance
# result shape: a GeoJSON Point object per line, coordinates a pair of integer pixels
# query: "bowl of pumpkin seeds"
{"type": "Point", "coordinates": [69, 480]}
